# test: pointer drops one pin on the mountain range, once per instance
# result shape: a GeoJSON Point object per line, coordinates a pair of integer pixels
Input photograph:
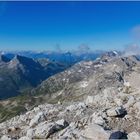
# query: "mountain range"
{"type": "Point", "coordinates": [22, 73]}
{"type": "Point", "coordinates": [100, 96]}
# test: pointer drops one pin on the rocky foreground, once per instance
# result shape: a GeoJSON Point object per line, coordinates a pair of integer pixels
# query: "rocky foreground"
{"type": "Point", "coordinates": [102, 118]}
{"type": "Point", "coordinates": [108, 108]}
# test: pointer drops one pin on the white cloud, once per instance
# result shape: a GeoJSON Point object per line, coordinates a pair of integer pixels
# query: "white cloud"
{"type": "Point", "coordinates": [83, 48]}
{"type": "Point", "coordinates": [136, 32]}
{"type": "Point", "coordinates": [132, 49]}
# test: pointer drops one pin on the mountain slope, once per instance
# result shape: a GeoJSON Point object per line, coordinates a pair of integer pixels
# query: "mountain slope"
{"type": "Point", "coordinates": [22, 73]}
{"type": "Point", "coordinates": [99, 96]}
{"type": "Point", "coordinates": [83, 79]}
{"type": "Point", "coordinates": [81, 73]}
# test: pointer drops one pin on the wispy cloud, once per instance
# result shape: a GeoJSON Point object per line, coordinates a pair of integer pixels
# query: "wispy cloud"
{"type": "Point", "coordinates": [136, 32]}
{"type": "Point", "coordinates": [83, 48]}
{"type": "Point", "coordinates": [131, 49]}
{"type": "Point", "coordinates": [58, 48]}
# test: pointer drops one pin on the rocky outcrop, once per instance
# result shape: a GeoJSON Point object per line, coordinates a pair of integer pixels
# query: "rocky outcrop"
{"type": "Point", "coordinates": [70, 121]}
{"type": "Point", "coordinates": [114, 112]}
{"type": "Point", "coordinates": [38, 118]}
{"type": "Point", "coordinates": [95, 132]}
{"type": "Point", "coordinates": [133, 136]}
{"type": "Point", "coordinates": [118, 135]}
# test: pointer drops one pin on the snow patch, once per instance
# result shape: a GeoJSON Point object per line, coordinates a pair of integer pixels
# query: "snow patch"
{"type": "Point", "coordinates": [98, 65]}
{"type": "Point", "coordinates": [84, 84]}
{"type": "Point", "coordinates": [80, 71]}
{"type": "Point", "coordinates": [60, 93]}
{"type": "Point", "coordinates": [115, 52]}
{"type": "Point", "coordinates": [127, 84]}
{"type": "Point", "coordinates": [89, 63]}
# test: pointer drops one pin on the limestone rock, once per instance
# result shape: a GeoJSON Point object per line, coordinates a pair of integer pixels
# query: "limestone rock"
{"type": "Point", "coordinates": [95, 132]}
{"type": "Point", "coordinates": [97, 119]}
{"type": "Point", "coordinates": [133, 136]}
{"type": "Point", "coordinates": [62, 123]}
{"type": "Point", "coordinates": [137, 106]}
{"type": "Point", "coordinates": [113, 112]}
{"type": "Point", "coordinates": [130, 102]}
{"type": "Point", "coordinates": [71, 108]}
{"type": "Point", "coordinates": [90, 100]}
{"type": "Point", "coordinates": [25, 138]}
{"type": "Point", "coordinates": [5, 138]}
{"type": "Point", "coordinates": [30, 133]}
{"type": "Point", "coordinates": [39, 117]}
{"type": "Point", "coordinates": [44, 130]}
{"type": "Point", "coordinates": [118, 101]}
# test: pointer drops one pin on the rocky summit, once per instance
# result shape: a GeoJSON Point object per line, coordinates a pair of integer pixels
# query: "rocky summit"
{"type": "Point", "coordinates": [92, 100]}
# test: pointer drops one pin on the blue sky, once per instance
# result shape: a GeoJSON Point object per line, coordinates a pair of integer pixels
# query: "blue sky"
{"type": "Point", "coordinates": [42, 25]}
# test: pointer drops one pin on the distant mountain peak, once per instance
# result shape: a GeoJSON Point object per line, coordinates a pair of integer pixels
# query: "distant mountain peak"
{"type": "Point", "coordinates": [19, 59]}
{"type": "Point", "coordinates": [4, 58]}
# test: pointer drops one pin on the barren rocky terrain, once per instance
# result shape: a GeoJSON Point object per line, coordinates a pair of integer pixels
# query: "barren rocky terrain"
{"type": "Point", "coordinates": [92, 100]}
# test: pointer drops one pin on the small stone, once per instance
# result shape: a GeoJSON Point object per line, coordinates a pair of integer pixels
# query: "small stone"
{"type": "Point", "coordinates": [95, 132]}
{"type": "Point", "coordinates": [118, 101]}
{"type": "Point", "coordinates": [137, 106]}
{"type": "Point", "coordinates": [39, 117]}
{"type": "Point", "coordinates": [97, 119]}
{"type": "Point", "coordinates": [71, 108]}
{"type": "Point", "coordinates": [30, 133]}
{"type": "Point", "coordinates": [45, 130]}
{"type": "Point", "coordinates": [90, 100]}
{"type": "Point", "coordinates": [133, 136]}
{"type": "Point", "coordinates": [118, 135]}
{"type": "Point", "coordinates": [5, 138]}
{"type": "Point", "coordinates": [62, 123]}
{"type": "Point", "coordinates": [25, 138]}
{"type": "Point", "coordinates": [82, 105]}
{"type": "Point", "coordinates": [130, 102]}
{"type": "Point", "coordinates": [113, 112]}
